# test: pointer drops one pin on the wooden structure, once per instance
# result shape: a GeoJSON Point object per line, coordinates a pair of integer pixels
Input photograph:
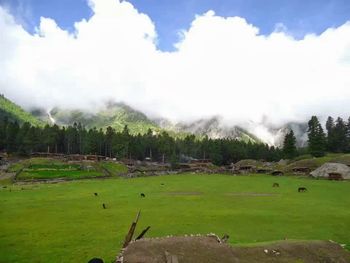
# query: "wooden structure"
{"type": "Point", "coordinates": [301, 170]}
{"type": "Point", "coordinates": [246, 168]}
{"type": "Point", "coordinates": [200, 161]}
{"type": "Point", "coordinates": [94, 157]}
{"type": "Point", "coordinates": [335, 176]}
{"type": "Point", "coordinates": [70, 157]}
{"type": "Point", "coordinates": [48, 155]}
{"type": "Point", "coordinates": [263, 171]}
{"type": "Point", "coordinates": [277, 173]}
{"type": "Point", "coordinates": [130, 234]}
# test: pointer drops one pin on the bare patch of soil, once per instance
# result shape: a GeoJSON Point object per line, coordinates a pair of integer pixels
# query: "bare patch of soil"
{"type": "Point", "coordinates": [209, 250]}
{"type": "Point", "coordinates": [184, 193]}
{"type": "Point", "coordinates": [253, 194]}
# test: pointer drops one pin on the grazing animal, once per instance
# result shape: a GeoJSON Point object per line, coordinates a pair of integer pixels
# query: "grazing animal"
{"type": "Point", "coordinates": [142, 195]}
{"type": "Point", "coordinates": [96, 194]}
{"type": "Point", "coordinates": [95, 260]}
{"type": "Point", "coordinates": [275, 185]}
{"type": "Point", "coordinates": [104, 206]}
{"type": "Point", "coordinates": [302, 189]}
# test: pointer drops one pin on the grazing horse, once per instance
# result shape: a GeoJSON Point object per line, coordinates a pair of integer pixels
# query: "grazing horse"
{"type": "Point", "coordinates": [302, 189]}
{"type": "Point", "coordinates": [142, 195]}
{"type": "Point", "coordinates": [275, 185]}
{"type": "Point", "coordinates": [96, 194]}
{"type": "Point", "coordinates": [95, 260]}
{"type": "Point", "coordinates": [104, 206]}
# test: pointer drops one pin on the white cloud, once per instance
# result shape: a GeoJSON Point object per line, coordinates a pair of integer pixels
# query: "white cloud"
{"type": "Point", "coordinates": [222, 66]}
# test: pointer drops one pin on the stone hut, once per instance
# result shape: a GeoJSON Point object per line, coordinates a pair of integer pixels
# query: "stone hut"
{"type": "Point", "coordinates": [332, 171]}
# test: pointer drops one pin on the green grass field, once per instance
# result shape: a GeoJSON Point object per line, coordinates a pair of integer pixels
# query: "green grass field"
{"type": "Point", "coordinates": [65, 222]}
{"type": "Point", "coordinates": [47, 174]}
{"type": "Point", "coordinates": [47, 168]}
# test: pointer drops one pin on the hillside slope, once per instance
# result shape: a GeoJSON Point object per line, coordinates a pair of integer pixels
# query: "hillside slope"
{"type": "Point", "coordinates": [13, 112]}
{"type": "Point", "coordinates": [213, 128]}
{"type": "Point", "coordinates": [116, 115]}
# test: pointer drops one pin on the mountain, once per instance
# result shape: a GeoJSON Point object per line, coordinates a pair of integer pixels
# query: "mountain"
{"type": "Point", "coordinates": [299, 129]}
{"type": "Point", "coordinates": [13, 112]}
{"type": "Point", "coordinates": [274, 135]}
{"type": "Point", "coordinates": [212, 127]}
{"type": "Point", "coordinates": [116, 115]}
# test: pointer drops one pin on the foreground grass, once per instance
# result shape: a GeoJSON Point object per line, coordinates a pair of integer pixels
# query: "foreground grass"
{"type": "Point", "coordinates": [65, 222]}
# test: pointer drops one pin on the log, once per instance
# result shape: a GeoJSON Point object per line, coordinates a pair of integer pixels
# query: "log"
{"type": "Point", "coordinates": [130, 234]}
{"type": "Point", "coordinates": [143, 233]}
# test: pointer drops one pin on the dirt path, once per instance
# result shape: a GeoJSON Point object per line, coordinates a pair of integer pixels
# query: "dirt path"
{"type": "Point", "coordinates": [184, 193]}
{"type": "Point", "coordinates": [209, 250]}
{"type": "Point", "coordinates": [253, 194]}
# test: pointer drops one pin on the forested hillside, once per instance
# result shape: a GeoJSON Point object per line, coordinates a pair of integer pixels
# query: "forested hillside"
{"type": "Point", "coordinates": [115, 115]}
{"type": "Point", "coordinates": [13, 112]}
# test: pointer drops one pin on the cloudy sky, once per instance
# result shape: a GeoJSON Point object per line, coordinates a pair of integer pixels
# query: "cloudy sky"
{"type": "Point", "coordinates": [261, 61]}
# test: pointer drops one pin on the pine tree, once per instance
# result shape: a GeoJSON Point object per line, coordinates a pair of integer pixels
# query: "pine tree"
{"type": "Point", "coordinates": [316, 138]}
{"type": "Point", "coordinates": [3, 127]}
{"type": "Point", "coordinates": [331, 145]}
{"type": "Point", "coordinates": [340, 139]}
{"type": "Point", "coordinates": [348, 135]}
{"type": "Point", "coordinates": [289, 145]}
{"type": "Point", "coordinates": [11, 134]}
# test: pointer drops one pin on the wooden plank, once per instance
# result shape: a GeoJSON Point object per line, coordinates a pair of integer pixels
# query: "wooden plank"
{"type": "Point", "coordinates": [130, 234]}
{"type": "Point", "coordinates": [143, 233]}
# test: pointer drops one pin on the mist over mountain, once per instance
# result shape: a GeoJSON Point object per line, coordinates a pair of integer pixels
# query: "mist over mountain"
{"type": "Point", "coordinates": [117, 115]}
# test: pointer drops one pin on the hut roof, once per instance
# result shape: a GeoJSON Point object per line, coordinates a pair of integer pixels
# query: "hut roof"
{"type": "Point", "coordinates": [328, 168]}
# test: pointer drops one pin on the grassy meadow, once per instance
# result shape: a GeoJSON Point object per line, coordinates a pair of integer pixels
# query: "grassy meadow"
{"type": "Point", "coordinates": [46, 168]}
{"type": "Point", "coordinates": [65, 222]}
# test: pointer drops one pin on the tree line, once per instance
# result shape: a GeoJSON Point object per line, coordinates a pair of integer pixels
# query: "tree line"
{"type": "Point", "coordinates": [336, 139]}
{"type": "Point", "coordinates": [76, 139]}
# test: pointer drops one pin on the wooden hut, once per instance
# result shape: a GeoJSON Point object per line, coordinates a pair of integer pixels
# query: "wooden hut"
{"type": "Point", "coordinates": [277, 173]}
{"type": "Point", "coordinates": [335, 176]}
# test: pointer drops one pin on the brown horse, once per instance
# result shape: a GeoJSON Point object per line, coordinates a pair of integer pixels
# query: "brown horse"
{"type": "Point", "coordinates": [302, 189]}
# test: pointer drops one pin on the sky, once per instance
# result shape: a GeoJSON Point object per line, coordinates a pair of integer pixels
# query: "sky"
{"type": "Point", "coordinates": [300, 17]}
{"type": "Point", "coordinates": [247, 61]}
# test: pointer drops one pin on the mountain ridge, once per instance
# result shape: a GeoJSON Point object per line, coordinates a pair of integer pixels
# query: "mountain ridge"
{"type": "Point", "coordinates": [117, 115]}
